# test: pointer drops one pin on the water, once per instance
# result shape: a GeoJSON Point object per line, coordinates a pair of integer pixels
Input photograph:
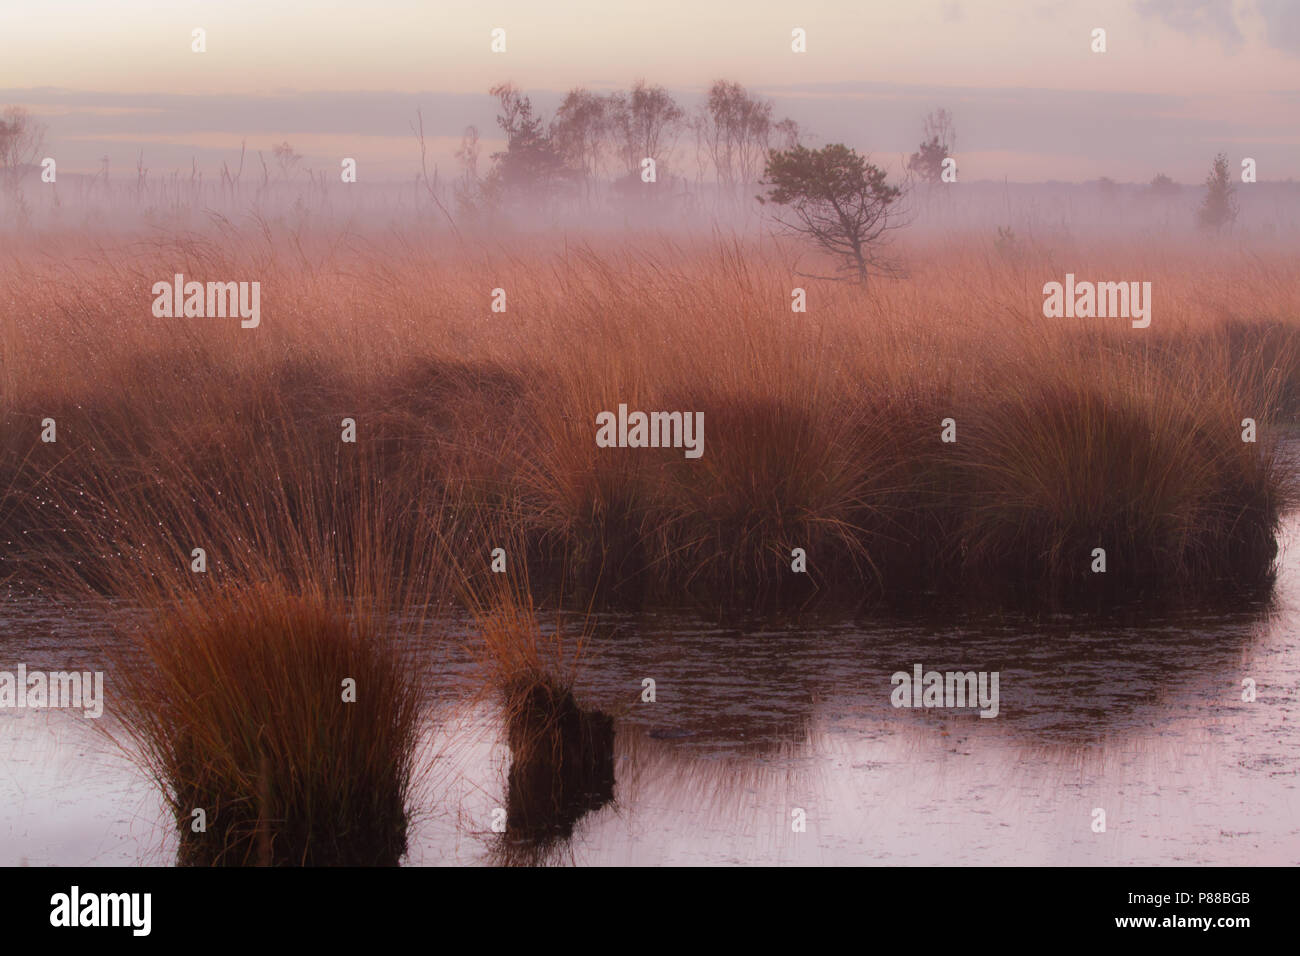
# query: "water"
{"type": "Point", "coordinates": [1140, 717]}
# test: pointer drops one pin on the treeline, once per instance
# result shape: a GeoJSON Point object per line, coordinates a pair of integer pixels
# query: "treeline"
{"type": "Point", "coordinates": [611, 147]}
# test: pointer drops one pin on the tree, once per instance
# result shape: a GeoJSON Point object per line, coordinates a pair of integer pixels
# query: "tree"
{"type": "Point", "coordinates": [430, 184]}
{"type": "Point", "coordinates": [529, 166]}
{"type": "Point", "coordinates": [787, 132]}
{"type": "Point", "coordinates": [839, 201]}
{"type": "Point", "coordinates": [940, 140]}
{"type": "Point", "coordinates": [286, 159]}
{"type": "Point", "coordinates": [581, 130]}
{"type": "Point", "coordinates": [1219, 208]}
{"type": "Point", "coordinates": [468, 187]}
{"type": "Point", "coordinates": [21, 140]}
{"type": "Point", "coordinates": [1162, 187]}
{"type": "Point", "coordinates": [648, 121]}
{"type": "Point", "coordinates": [735, 128]}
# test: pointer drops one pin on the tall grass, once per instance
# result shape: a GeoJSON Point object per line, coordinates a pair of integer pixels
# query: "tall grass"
{"type": "Point", "coordinates": [477, 429]}
{"type": "Point", "coordinates": [561, 753]}
{"type": "Point", "coordinates": [273, 689]}
{"type": "Point", "coordinates": [822, 429]}
{"type": "Point", "coordinates": [237, 706]}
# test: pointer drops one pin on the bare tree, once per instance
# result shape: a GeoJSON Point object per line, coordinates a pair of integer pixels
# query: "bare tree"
{"type": "Point", "coordinates": [286, 159]}
{"type": "Point", "coordinates": [141, 175]}
{"type": "Point", "coordinates": [1162, 187]}
{"type": "Point", "coordinates": [939, 141]}
{"type": "Point", "coordinates": [580, 132]}
{"type": "Point", "coordinates": [21, 141]}
{"type": "Point", "coordinates": [786, 133]}
{"type": "Point", "coordinates": [430, 185]}
{"type": "Point", "coordinates": [230, 181]}
{"type": "Point", "coordinates": [648, 121]}
{"type": "Point", "coordinates": [736, 129]}
{"type": "Point", "coordinates": [468, 154]}
{"type": "Point", "coordinates": [939, 125]}
{"type": "Point", "coordinates": [468, 187]}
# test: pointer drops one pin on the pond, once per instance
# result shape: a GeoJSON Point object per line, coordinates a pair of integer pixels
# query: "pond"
{"type": "Point", "coordinates": [776, 741]}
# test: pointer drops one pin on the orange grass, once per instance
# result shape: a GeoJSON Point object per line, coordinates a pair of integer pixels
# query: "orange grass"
{"type": "Point", "coordinates": [822, 429]}
{"type": "Point", "coordinates": [236, 707]}
{"type": "Point", "coordinates": [561, 754]}
{"type": "Point", "coordinates": [229, 690]}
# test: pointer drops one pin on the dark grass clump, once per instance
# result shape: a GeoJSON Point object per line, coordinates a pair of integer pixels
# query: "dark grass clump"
{"type": "Point", "coordinates": [561, 754]}
{"type": "Point", "coordinates": [236, 706]}
{"type": "Point", "coordinates": [562, 759]}
{"type": "Point", "coordinates": [821, 434]}
{"type": "Point", "coordinates": [1129, 462]}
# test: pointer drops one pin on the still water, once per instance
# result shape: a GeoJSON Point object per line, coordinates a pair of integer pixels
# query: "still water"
{"type": "Point", "coordinates": [1140, 716]}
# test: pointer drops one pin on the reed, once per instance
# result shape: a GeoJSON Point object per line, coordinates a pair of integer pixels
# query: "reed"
{"type": "Point", "coordinates": [561, 753]}
{"type": "Point", "coordinates": [269, 684]}
{"type": "Point", "coordinates": [239, 707]}
{"type": "Point", "coordinates": [822, 429]}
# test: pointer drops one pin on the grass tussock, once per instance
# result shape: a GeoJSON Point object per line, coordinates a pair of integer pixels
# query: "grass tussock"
{"type": "Point", "coordinates": [561, 754]}
{"type": "Point", "coordinates": [237, 705]}
{"type": "Point", "coordinates": [822, 429]}
{"type": "Point", "coordinates": [476, 430]}
{"type": "Point", "coordinates": [267, 683]}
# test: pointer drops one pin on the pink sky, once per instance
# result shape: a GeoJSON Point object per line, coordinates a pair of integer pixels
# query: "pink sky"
{"type": "Point", "coordinates": [1181, 79]}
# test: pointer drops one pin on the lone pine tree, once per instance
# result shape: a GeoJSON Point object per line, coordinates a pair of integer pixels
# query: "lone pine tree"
{"type": "Point", "coordinates": [838, 200]}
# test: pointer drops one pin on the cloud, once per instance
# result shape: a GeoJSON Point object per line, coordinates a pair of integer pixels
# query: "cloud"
{"type": "Point", "coordinates": [1212, 18]}
{"type": "Point", "coordinates": [276, 116]}
{"type": "Point", "coordinates": [1282, 24]}
{"type": "Point", "coordinates": [1218, 18]}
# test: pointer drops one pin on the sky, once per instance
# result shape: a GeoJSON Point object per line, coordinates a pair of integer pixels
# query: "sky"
{"type": "Point", "coordinates": [1180, 79]}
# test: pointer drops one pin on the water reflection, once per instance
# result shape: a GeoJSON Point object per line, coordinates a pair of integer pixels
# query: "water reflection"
{"type": "Point", "coordinates": [1138, 714]}
{"type": "Point", "coordinates": [561, 768]}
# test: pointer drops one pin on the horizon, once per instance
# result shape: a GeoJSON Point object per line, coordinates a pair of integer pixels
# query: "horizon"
{"type": "Point", "coordinates": [1179, 81]}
